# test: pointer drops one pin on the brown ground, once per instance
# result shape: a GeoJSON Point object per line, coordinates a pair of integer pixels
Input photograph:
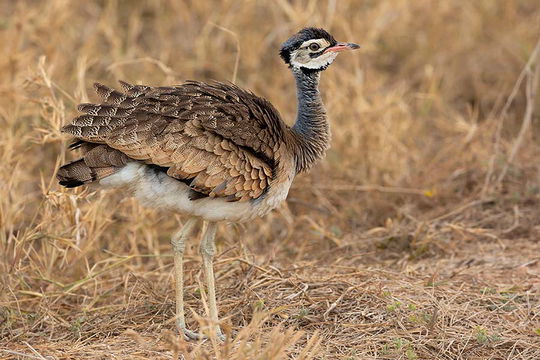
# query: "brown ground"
{"type": "Point", "coordinates": [416, 238]}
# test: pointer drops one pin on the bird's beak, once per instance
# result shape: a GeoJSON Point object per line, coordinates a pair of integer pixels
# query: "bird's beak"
{"type": "Point", "coordinates": [341, 46]}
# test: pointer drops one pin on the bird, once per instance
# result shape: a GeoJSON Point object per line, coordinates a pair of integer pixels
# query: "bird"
{"type": "Point", "coordinates": [208, 150]}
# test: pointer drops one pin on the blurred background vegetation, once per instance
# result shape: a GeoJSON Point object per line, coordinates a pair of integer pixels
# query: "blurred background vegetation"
{"type": "Point", "coordinates": [424, 212]}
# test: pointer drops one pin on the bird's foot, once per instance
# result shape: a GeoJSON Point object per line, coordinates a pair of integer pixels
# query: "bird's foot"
{"type": "Point", "coordinates": [221, 337]}
{"type": "Point", "coordinates": [192, 335]}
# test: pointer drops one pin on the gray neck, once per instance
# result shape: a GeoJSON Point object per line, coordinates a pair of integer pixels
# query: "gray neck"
{"type": "Point", "coordinates": [311, 128]}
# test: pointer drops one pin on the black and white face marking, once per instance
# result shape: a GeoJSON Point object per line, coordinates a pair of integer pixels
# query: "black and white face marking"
{"type": "Point", "coordinates": [311, 55]}
{"type": "Point", "coordinates": [312, 49]}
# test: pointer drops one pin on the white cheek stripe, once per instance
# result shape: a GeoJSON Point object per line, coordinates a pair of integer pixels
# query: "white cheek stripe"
{"type": "Point", "coordinates": [318, 62]}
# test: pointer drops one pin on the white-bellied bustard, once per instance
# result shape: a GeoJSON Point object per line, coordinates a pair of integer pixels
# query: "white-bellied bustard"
{"type": "Point", "coordinates": [207, 150]}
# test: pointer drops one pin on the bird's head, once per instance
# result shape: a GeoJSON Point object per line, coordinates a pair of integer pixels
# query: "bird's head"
{"type": "Point", "coordinates": [312, 49]}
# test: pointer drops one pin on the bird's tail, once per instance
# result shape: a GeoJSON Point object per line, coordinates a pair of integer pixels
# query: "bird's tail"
{"type": "Point", "coordinates": [98, 163]}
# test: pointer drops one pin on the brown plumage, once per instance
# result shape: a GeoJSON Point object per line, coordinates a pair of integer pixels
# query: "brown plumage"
{"type": "Point", "coordinates": [99, 161]}
{"type": "Point", "coordinates": [208, 150]}
{"type": "Point", "coordinates": [224, 140]}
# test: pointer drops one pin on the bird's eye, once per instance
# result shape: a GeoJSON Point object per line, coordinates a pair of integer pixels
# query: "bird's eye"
{"type": "Point", "coordinates": [314, 47]}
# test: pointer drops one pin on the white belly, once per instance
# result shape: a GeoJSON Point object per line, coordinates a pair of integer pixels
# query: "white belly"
{"type": "Point", "coordinates": [156, 189]}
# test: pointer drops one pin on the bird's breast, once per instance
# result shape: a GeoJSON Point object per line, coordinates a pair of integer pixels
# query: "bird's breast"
{"type": "Point", "coordinates": [158, 190]}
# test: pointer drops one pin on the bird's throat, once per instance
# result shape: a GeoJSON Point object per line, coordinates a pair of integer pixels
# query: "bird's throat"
{"type": "Point", "coordinates": [311, 130]}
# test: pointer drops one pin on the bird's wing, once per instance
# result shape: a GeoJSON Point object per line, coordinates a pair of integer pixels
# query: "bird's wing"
{"type": "Point", "coordinates": [222, 139]}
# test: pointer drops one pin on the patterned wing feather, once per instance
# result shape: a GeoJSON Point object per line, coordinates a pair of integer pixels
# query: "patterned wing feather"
{"type": "Point", "coordinates": [223, 139]}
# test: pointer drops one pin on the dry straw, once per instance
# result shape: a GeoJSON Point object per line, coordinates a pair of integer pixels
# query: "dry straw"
{"type": "Point", "coordinates": [416, 238]}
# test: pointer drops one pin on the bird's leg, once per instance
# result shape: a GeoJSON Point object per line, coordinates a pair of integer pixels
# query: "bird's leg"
{"type": "Point", "coordinates": [208, 249]}
{"type": "Point", "coordinates": [178, 242]}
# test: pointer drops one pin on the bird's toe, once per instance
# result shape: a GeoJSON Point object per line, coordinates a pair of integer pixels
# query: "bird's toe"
{"type": "Point", "coordinates": [220, 335]}
{"type": "Point", "coordinates": [191, 335]}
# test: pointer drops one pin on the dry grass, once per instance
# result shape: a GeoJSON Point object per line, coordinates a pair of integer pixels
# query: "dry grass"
{"type": "Point", "coordinates": [416, 238]}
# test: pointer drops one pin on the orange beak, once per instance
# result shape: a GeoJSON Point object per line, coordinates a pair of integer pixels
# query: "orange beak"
{"type": "Point", "coordinates": [342, 47]}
